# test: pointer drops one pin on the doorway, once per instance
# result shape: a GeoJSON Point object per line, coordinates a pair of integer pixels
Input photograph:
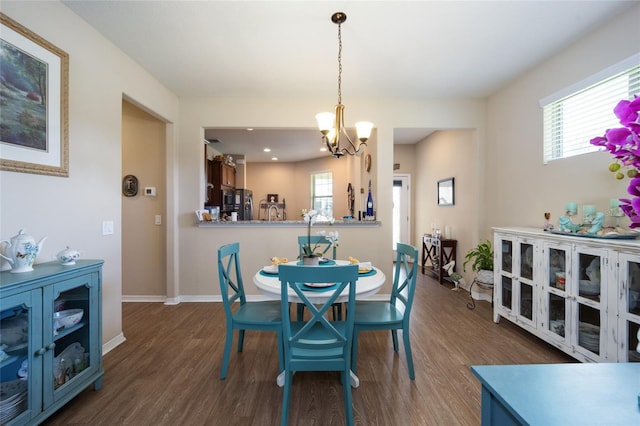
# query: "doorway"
{"type": "Point", "coordinates": [144, 236]}
{"type": "Point", "coordinates": [401, 210]}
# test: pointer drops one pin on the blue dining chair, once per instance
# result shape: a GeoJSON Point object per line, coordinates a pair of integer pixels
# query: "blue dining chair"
{"type": "Point", "coordinates": [323, 245]}
{"type": "Point", "coordinates": [317, 344]}
{"type": "Point", "coordinates": [394, 314]}
{"type": "Point", "coordinates": [248, 316]}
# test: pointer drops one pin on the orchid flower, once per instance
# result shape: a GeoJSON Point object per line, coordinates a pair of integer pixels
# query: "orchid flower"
{"type": "Point", "coordinates": [624, 145]}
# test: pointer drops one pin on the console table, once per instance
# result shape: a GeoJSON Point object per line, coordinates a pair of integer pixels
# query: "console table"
{"type": "Point", "coordinates": [437, 252]}
{"type": "Point", "coordinates": [560, 394]}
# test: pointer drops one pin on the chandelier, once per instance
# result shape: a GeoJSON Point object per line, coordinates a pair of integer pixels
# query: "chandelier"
{"type": "Point", "coordinates": [331, 125]}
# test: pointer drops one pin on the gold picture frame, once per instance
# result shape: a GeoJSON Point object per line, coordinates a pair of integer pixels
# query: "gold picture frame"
{"type": "Point", "coordinates": [34, 137]}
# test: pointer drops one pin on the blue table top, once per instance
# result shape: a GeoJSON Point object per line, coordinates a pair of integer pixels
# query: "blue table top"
{"type": "Point", "coordinates": [566, 394]}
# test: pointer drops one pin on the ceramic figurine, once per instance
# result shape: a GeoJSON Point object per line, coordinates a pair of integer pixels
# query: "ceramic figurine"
{"type": "Point", "coordinates": [596, 224]}
{"type": "Point", "coordinates": [455, 277]}
{"type": "Point", "coordinates": [566, 225]}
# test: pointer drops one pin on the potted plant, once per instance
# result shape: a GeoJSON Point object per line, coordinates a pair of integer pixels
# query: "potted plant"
{"type": "Point", "coordinates": [309, 254]}
{"type": "Point", "coordinates": [481, 258]}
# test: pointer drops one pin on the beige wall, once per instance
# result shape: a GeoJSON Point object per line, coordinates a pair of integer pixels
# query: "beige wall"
{"type": "Point", "coordinates": [197, 246]}
{"type": "Point", "coordinates": [70, 211]}
{"type": "Point", "coordinates": [510, 185]}
{"type": "Point", "coordinates": [520, 188]}
{"type": "Point", "coordinates": [143, 242]}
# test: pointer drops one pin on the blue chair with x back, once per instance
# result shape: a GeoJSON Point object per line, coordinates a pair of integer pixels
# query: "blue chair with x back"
{"type": "Point", "coordinates": [248, 316]}
{"type": "Point", "coordinates": [317, 344]}
{"type": "Point", "coordinates": [394, 314]}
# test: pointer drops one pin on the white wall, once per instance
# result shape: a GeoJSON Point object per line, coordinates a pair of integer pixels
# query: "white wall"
{"type": "Point", "coordinates": [70, 211]}
{"type": "Point", "coordinates": [520, 188]}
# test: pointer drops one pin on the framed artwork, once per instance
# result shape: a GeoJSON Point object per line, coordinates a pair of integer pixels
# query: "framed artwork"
{"type": "Point", "coordinates": [34, 94]}
{"type": "Point", "coordinates": [446, 192]}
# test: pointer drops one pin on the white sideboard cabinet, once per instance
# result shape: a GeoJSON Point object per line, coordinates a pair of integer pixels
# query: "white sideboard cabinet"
{"type": "Point", "coordinates": [44, 363]}
{"type": "Point", "coordinates": [579, 294]}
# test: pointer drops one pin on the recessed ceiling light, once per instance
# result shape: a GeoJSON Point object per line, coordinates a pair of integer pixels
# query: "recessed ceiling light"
{"type": "Point", "coordinates": [323, 149]}
{"type": "Point", "coordinates": [267, 150]}
{"type": "Point", "coordinates": [250, 129]}
{"type": "Point", "coordinates": [274, 158]}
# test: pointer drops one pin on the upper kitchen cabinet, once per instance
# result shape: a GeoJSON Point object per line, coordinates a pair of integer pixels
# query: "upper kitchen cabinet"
{"type": "Point", "coordinates": [220, 177]}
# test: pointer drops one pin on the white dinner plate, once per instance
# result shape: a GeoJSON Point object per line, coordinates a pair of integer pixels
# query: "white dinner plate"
{"type": "Point", "coordinates": [319, 285]}
{"type": "Point", "coordinates": [270, 269]}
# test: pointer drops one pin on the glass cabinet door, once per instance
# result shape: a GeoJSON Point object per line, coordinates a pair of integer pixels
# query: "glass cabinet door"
{"type": "Point", "coordinates": [557, 263]}
{"type": "Point", "coordinates": [17, 342]}
{"type": "Point", "coordinates": [505, 292]}
{"type": "Point", "coordinates": [589, 320]}
{"type": "Point", "coordinates": [525, 272]}
{"type": "Point", "coordinates": [629, 307]}
{"type": "Point", "coordinates": [72, 305]}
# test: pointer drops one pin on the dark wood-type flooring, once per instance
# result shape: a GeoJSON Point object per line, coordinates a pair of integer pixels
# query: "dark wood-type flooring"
{"type": "Point", "coordinates": [167, 371]}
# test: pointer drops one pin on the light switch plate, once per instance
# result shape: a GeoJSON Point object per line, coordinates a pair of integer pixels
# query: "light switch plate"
{"type": "Point", "coordinates": [107, 227]}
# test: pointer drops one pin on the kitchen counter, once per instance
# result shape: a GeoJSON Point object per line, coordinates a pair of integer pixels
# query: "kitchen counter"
{"type": "Point", "coordinates": [287, 224]}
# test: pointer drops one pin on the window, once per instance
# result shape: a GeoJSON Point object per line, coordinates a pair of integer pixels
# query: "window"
{"type": "Point", "coordinates": [581, 112]}
{"type": "Point", "coordinates": [322, 194]}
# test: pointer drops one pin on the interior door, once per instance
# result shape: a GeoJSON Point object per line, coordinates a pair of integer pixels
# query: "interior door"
{"type": "Point", "coordinates": [401, 210]}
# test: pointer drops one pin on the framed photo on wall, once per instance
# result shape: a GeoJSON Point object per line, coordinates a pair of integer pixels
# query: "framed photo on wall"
{"type": "Point", "coordinates": [446, 192]}
{"type": "Point", "coordinates": [34, 93]}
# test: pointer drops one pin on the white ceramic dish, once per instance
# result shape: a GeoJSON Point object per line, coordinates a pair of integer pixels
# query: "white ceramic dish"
{"type": "Point", "coordinates": [270, 269]}
{"type": "Point", "coordinates": [589, 288]}
{"type": "Point", "coordinates": [319, 285]}
{"type": "Point", "coordinates": [67, 318]}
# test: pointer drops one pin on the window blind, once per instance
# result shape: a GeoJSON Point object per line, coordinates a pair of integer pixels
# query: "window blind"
{"type": "Point", "coordinates": [573, 120]}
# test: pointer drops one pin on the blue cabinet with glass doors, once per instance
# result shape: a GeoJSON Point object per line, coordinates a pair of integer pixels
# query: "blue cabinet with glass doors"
{"type": "Point", "coordinates": [46, 356]}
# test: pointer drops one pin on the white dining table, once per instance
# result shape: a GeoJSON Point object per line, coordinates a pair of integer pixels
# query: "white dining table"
{"type": "Point", "coordinates": [367, 285]}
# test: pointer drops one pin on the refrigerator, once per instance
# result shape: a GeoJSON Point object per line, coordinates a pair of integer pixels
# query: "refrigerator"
{"type": "Point", "coordinates": [244, 204]}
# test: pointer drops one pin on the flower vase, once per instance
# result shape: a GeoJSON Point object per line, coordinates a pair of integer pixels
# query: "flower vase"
{"type": "Point", "coordinates": [311, 260]}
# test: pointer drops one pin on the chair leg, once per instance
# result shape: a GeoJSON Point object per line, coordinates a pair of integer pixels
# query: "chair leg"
{"type": "Point", "coordinates": [286, 396]}
{"type": "Point", "coordinates": [337, 311]}
{"type": "Point", "coordinates": [394, 336]}
{"type": "Point", "coordinates": [354, 351]}
{"type": "Point", "coordinates": [280, 351]}
{"type": "Point", "coordinates": [348, 403]}
{"type": "Point", "coordinates": [407, 349]}
{"type": "Point", "coordinates": [227, 353]}
{"type": "Point", "coordinates": [240, 340]}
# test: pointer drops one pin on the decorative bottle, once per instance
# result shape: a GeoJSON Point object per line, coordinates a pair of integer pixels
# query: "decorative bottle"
{"type": "Point", "coordinates": [369, 204]}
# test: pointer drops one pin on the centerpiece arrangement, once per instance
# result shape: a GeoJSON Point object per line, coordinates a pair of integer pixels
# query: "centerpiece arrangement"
{"type": "Point", "coordinates": [624, 145]}
{"type": "Point", "coordinates": [310, 254]}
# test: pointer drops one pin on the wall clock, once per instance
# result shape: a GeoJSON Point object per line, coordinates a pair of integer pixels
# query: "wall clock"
{"type": "Point", "coordinates": [367, 162]}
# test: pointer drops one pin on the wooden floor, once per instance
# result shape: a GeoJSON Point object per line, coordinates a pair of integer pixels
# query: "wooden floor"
{"type": "Point", "coordinates": [166, 373]}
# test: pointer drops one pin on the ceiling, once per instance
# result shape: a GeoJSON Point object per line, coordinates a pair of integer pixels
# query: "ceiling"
{"type": "Point", "coordinates": [391, 49]}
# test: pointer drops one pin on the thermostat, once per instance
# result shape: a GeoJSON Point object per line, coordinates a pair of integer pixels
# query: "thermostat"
{"type": "Point", "coordinates": [150, 191]}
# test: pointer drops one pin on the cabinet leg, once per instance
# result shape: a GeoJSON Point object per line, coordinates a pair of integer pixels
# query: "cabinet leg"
{"type": "Point", "coordinates": [97, 385]}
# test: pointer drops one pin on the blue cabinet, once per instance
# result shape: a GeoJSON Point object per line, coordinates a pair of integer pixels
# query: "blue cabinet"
{"type": "Point", "coordinates": [45, 360]}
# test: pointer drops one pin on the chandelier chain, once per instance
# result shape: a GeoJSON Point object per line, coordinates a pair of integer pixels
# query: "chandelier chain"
{"type": "Point", "coordinates": [339, 63]}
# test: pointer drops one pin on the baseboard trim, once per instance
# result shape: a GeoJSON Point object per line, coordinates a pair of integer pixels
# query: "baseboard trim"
{"type": "Point", "coordinates": [113, 343]}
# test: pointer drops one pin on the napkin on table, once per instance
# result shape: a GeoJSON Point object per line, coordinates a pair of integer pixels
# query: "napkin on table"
{"type": "Point", "coordinates": [364, 267]}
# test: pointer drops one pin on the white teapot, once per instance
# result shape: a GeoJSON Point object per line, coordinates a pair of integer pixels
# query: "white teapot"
{"type": "Point", "coordinates": [21, 251]}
